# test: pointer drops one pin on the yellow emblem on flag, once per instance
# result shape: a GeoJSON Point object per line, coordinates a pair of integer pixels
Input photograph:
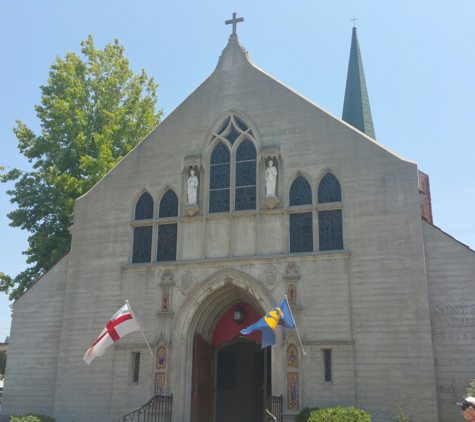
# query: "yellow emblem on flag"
{"type": "Point", "coordinates": [273, 318]}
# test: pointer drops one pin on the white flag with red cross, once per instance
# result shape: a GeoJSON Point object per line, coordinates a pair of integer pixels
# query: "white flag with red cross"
{"type": "Point", "coordinates": [121, 324]}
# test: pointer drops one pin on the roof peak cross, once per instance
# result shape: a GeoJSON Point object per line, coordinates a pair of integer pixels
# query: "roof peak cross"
{"type": "Point", "coordinates": [354, 21]}
{"type": "Point", "coordinates": [234, 21]}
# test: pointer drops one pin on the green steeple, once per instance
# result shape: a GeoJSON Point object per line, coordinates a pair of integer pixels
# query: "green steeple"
{"type": "Point", "coordinates": [356, 109]}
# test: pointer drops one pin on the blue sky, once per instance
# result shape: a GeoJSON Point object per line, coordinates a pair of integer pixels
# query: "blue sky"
{"type": "Point", "coordinates": [418, 56]}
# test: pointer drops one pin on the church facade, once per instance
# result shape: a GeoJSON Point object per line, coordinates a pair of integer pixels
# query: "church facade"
{"type": "Point", "coordinates": [247, 193]}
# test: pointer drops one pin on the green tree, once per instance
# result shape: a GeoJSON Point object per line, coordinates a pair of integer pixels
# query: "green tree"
{"type": "Point", "coordinates": [3, 363]}
{"type": "Point", "coordinates": [92, 113]}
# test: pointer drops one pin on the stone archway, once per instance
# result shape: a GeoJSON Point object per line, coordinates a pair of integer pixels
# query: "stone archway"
{"type": "Point", "coordinates": [200, 314]}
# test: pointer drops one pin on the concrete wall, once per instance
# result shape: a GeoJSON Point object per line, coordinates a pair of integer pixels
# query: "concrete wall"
{"type": "Point", "coordinates": [30, 380]}
{"type": "Point", "coordinates": [451, 283]}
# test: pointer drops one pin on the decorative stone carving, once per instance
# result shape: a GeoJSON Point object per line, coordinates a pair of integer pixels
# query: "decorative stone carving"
{"type": "Point", "coordinates": [271, 278]}
{"type": "Point", "coordinates": [167, 278]}
{"type": "Point", "coordinates": [292, 272]}
{"type": "Point", "coordinates": [192, 188]}
{"type": "Point", "coordinates": [186, 282]}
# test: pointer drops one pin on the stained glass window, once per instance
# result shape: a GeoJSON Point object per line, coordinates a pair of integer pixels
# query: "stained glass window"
{"type": "Point", "coordinates": [301, 232]}
{"type": "Point", "coordinates": [327, 361]}
{"type": "Point", "coordinates": [241, 125]}
{"type": "Point", "coordinates": [142, 248]}
{"type": "Point", "coordinates": [144, 207]}
{"type": "Point", "coordinates": [246, 176]}
{"type": "Point", "coordinates": [300, 192]}
{"type": "Point", "coordinates": [330, 230]}
{"type": "Point", "coordinates": [166, 244]}
{"type": "Point", "coordinates": [168, 205]}
{"type": "Point", "coordinates": [232, 136]}
{"type": "Point", "coordinates": [219, 179]}
{"type": "Point", "coordinates": [329, 189]}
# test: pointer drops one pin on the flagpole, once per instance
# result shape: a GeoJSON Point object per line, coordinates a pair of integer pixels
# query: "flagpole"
{"type": "Point", "coordinates": [140, 328]}
{"type": "Point", "coordinates": [296, 329]}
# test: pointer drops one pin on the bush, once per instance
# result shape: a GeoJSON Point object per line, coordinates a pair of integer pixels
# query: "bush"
{"type": "Point", "coordinates": [32, 418]}
{"type": "Point", "coordinates": [335, 414]}
{"type": "Point", "coordinates": [401, 417]}
{"type": "Point", "coordinates": [305, 414]}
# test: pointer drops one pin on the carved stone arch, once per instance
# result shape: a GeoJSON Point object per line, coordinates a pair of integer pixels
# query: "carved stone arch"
{"type": "Point", "coordinates": [202, 310]}
{"type": "Point", "coordinates": [292, 179]}
{"type": "Point", "coordinates": [135, 199]}
{"type": "Point", "coordinates": [200, 314]}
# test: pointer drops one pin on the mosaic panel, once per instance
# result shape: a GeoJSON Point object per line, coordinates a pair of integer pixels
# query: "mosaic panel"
{"type": "Point", "coordinates": [293, 390]}
{"type": "Point", "coordinates": [161, 358]}
{"type": "Point", "coordinates": [160, 384]}
{"type": "Point", "coordinates": [292, 295]}
{"type": "Point", "coordinates": [165, 300]}
{"type": "Point", "coordinates": [292, 357]}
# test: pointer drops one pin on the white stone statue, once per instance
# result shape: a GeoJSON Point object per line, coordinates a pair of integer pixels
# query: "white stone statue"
{"type": "Point", "coordinates": [271, 179]}
{"type": "Point", "coordinates": [192, 188]}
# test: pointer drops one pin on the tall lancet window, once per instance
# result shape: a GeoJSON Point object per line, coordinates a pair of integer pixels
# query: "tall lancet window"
{"type": "Point", "coordinates": [245, 176]}
{"type": "Point", "coordinates": [233, 168]}
{"type": "Point", "coordinates": [142, 247]}
{"type": "Point", "coordinates": [220, 170]}
{"type": "Point", "coordinates": [330, 222]}
{"type": "Point", "coordinates": [301, 227]}
{"type": "Point", "coordinates": [167, 227]}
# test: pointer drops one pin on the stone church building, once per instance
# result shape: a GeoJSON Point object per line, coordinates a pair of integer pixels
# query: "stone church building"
{"type": "Point", "coordinates": [246, 193]}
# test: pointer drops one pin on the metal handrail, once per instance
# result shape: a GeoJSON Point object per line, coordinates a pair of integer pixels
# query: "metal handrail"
{"type": "Point", "coordinates": [157, 409]}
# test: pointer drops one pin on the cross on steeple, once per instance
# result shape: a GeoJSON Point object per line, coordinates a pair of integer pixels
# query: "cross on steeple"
{"type": "Point", "coordinates": [234, 21]}
{"type": "Point", "coordinates": [354, 21]}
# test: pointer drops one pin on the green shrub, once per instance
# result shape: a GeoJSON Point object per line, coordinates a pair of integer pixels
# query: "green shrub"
{"type": "Point", "coordinates": [401, 417]}
{"type": "Point", "coordinates": [32, 418]}
{"type": "Point", "coordinates": [304, 414]}
{"type": "Point", "coordinates": [334, 414]}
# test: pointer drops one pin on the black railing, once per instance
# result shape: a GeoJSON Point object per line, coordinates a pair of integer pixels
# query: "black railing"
{"type": "Point", "coordinates": [274, 408]}
{"type": "Point", "coordinates": [158, 409]}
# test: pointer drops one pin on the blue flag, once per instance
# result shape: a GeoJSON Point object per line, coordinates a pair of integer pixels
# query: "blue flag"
{"type": "Point", "coordinates": [280, 315]}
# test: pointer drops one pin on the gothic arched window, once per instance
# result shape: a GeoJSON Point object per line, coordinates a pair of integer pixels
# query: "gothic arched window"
{"type": "Point", "coordinates": [330, 222]}
{"type": "Point", "coordinates": [300, 192]}
{"type": "Point", "coordinates": [220, 170]}
{"type": "Point", "coordinates": [167, 232]}
{"type": "Point", "coordinates": [142, 246]}
{"type": "Point", "coordinates": [301, 227]}
{"type": "Point", "coordinates": [245, 198]}
{"type": "Point", "coordinates": [329, 189]}
{"type": "Point", "coordinates": [233, 168]}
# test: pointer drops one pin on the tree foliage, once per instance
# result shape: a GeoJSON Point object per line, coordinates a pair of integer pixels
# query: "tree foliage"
{"type": "Point", "coordinates": [334, 414]}
{"type": "Point", "coordinates": [92, 113]}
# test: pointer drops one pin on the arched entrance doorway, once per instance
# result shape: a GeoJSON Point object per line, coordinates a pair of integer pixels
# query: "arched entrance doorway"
{"type": "Point", "coordinates": [231, 376]}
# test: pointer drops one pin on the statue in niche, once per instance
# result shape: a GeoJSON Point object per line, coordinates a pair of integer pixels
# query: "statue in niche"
{"type": "Point", "coordinates": [192, 188]}
{"type": "Point", "coordinates": [271, 178]}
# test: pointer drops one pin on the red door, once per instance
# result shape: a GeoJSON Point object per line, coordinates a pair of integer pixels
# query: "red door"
{"type": "Point", "coordinates": [203, 381]}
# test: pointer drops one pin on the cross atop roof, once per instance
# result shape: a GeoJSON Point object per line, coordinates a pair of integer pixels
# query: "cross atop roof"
{"type": "Point", "coordinates": [234, 21]}
{"type": "Point", "coordinates": [354, 21]}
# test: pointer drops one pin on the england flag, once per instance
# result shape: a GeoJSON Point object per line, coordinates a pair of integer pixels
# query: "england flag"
{"type": "Point", "coordinates": [121, 324]}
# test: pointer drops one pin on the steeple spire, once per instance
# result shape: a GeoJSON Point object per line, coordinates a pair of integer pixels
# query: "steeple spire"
{"type": "Point", "coordinates": [356, 109]}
